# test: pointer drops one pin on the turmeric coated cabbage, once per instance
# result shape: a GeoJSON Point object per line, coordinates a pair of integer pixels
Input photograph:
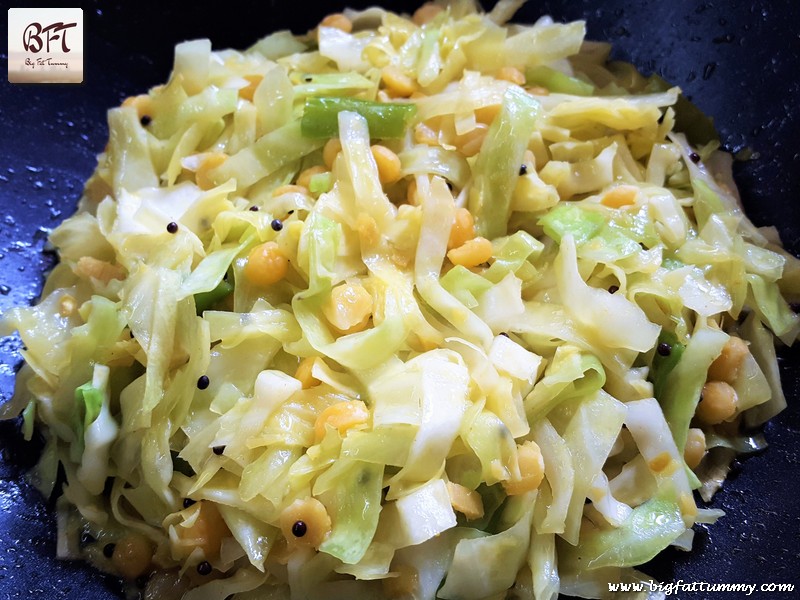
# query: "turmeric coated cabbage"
{"type": "Point", "coordinates": [408, 307]}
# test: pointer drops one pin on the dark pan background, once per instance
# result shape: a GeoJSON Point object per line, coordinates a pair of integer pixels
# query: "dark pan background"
{"type": "Point", "coordinates": [738, 61]}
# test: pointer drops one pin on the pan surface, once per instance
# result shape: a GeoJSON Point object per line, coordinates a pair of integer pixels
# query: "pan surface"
{"type": "Point", "coordinates": [737, 61]}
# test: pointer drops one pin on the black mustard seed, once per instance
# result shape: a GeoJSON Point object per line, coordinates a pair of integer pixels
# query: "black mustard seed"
{"type": "Point", "coordinates": [204, 568]}
{"type": "Point", "coordinates": [299, 529]}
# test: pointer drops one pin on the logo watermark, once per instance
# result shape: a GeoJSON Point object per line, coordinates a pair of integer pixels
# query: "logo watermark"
{"type": "Point", "coordinates": [45, 45]}
{"type": "Point", "coordinates": [668, 589]}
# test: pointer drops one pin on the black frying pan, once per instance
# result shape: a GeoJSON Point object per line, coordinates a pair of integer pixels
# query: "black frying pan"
{"type": "Point", "coordinates": [738, 61]}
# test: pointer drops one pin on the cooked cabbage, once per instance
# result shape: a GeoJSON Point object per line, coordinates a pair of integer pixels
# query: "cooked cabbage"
{"type": "Point", "coordinates": [436, 307]}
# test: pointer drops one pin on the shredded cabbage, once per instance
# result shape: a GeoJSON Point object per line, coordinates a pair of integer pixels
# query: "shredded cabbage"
{"type": "Point", "coordinates": [422, 309]}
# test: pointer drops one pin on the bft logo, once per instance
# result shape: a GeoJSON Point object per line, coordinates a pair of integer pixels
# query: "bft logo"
{"type": "Point", "coordinates": [32, 36]}
{"type": "Point", "coordinates": [45, 45]}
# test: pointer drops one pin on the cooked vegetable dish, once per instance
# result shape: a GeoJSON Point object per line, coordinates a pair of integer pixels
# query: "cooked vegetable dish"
{"type": "Point", "coordinates": [429, 306]}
